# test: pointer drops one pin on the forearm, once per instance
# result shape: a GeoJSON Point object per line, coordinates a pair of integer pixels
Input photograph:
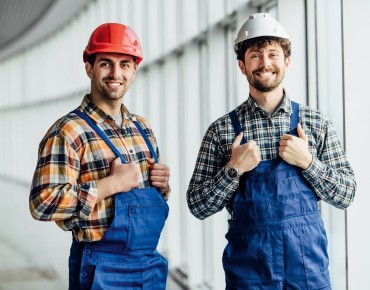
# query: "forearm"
{"type": "Point", "coordinates": [106, 187]}
{"type": "Point", "coordinates": [208, 195]}
{"type": "Point", "coordinates": [62, 201]}
{"type": "Point", "coordinates": [335, 186]}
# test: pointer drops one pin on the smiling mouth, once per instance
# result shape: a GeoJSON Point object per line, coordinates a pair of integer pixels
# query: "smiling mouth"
{"type": "Point", "coordinates": [114, 84]}
{"type": "Point", "coordinates": [265, 74]}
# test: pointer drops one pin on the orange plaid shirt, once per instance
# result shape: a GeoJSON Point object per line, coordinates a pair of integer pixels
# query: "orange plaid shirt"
{"type": "Point", "coordinates": [72, 157]}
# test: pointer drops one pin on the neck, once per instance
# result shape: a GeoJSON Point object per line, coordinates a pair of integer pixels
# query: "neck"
{"type": "Point", "coordinates": [268, 101]}
{"type": "Point", "coordinates": [110, 107]}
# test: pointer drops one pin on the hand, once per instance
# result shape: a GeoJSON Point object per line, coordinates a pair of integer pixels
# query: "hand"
{"type": "Point", "coordinates": [124, 176]}
{"type": "Point", "coordinates": [244, 157]}
{"type": "Point", "coordinates": [294, 150]}
{"type": "Point", "coordinates": [159, 175]}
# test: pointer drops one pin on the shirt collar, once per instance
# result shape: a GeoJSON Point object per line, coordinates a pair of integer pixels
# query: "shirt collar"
{"type": "Point", "coordinates": [285, 105]}
{"type": "Point", "coordinates": [99, 115]}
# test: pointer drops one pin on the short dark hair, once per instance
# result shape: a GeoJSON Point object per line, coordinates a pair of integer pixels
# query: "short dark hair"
{"type": "Point", "coordinates": [91, 59]}
{"type": "Point", "coordinates": [262, 42]}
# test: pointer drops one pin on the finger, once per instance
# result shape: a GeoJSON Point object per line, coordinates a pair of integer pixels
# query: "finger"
{"type": "Point", "coordinates": [151, 161]}
{"type": "Point", "coordinates": [301, 132]}
{"type": "Point", "coordinates": [237, 140]}
{"type": "Point", "coordinates": [156, 178]}
{"type": "Point", "coordinates": [160, 172]}
{"type": "Point", "coordinates": [287, 137]}
{"type": "Point", "coordinates": [117, 160]}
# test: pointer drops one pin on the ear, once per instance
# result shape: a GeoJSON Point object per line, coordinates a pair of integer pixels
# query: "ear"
{"type": "Point", "coordinates": [242, 67]}
{"type": "Point", "coordinates": [89, 70]}
{"type": "Point", "coordinates": [287, 62]}
{"type": "Point", "coordinates": [135, 70]}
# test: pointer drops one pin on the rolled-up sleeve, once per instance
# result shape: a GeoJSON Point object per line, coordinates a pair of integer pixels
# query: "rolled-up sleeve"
{"type": "Point", "coordinates": [55, 193]}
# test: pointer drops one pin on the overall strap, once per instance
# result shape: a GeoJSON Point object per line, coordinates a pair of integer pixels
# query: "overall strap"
{"type": "Point", "coordinates": [146, 139]}
{"type": "Point", "coordinates": [236, 125]}
{"type": "Point", "coordinates": [109, 143]}
{"type": "Point", "coordinates": [294, 119]}
{"type": "Point", "coordinates": [100, 133]}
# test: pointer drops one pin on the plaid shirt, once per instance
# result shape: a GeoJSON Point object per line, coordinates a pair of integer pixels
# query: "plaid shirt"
{"type": "Point", "coordinates": [72, 157]}
{"type": "Point", "coordinates": [329, 174]}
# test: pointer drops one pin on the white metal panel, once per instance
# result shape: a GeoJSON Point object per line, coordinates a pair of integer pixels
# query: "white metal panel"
{"type": "Point", "coordinates": [172, 155]}
{"type": "Point", "coordinates": [190, 25]}
{"type": "Point", "coordinates": [216, 11]}
{"type": "Point", "coordinates": [357, 104]}
{"type": "Point", "coordinates": [171, 25]}
{"type": "Point", "coordinates": [216, 72]}
{"type": "Point", "coordinates": [295, 80]}
{"type": "Point", "coordinates": [154, 40]}
{"type": "Point", "coordinates": [192, 137]}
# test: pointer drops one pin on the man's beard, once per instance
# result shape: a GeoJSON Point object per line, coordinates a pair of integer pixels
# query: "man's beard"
{"type": "Point", "coordinates": [265, 86]}
{"type": "Point", "coordinates": [111, 96]}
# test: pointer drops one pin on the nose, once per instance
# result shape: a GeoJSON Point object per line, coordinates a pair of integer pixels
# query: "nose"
{"type": "Point", "coordinates": [115, 71]}
{"type": "Point", "coordinates": [264, 61]}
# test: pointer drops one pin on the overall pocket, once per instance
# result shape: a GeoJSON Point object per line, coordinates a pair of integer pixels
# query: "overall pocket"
{"type": "Point", "coordinates": [115, 276]}
{"type": "Point", "coordinates": [145, 226]}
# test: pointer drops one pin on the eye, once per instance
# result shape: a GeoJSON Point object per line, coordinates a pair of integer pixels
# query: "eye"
{"type": "Point", "coordinates": [105, 64]}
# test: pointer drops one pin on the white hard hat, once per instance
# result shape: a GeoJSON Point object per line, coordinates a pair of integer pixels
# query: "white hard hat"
{"type": "Point", "coordinates": [259, 24]}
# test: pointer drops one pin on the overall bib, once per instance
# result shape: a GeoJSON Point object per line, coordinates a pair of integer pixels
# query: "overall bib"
{"type": "Point", "coordinates": [276, 237]}
{"type": "Point", "coordinates": [126, 257]}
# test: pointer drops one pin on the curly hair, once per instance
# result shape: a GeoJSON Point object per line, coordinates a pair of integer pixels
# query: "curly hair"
{"type": "Point", "coordinates": [262, 42]}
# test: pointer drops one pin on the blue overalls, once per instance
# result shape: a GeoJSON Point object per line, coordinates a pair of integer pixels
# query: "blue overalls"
{"type": "Point", "coordinates": [126, 256]}
{"type": "Point", "coordinates": [276, 237]}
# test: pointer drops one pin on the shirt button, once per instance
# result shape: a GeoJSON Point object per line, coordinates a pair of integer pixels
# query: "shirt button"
{"type": "Point", "coordinates": [131, 151]}
{"type": "Point", "coordinates": [87, 252]}
{"type": "Point", "coordinates": [83, 274]}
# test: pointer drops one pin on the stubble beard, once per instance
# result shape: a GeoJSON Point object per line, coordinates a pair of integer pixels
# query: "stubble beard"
{"type": "Point", "coordinates": [265, 85]}
{"type": "Point", "coordinates": [112, 96]}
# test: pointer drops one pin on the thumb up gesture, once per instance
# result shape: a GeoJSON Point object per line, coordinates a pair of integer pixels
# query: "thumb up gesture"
{"type": "Point", "coordinates": [294, 150]}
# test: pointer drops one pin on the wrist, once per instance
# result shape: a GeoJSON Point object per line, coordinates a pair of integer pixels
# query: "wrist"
{"type": "Point", "coordinates": [166, 192]}
{"type": "Point", "coordinates": [232, 172]}
{"type": "Point", "coordinates": [308, 162]}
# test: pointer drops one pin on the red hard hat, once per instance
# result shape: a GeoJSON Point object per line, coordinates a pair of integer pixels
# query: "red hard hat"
{"type": "Point", "coordinates": [114, 37]}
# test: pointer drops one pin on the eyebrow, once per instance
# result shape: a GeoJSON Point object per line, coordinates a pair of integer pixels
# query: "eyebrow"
{"type": "Point", "coordinates": [259, 51]}
{"type": "Point", "coordinates": [110, 60]}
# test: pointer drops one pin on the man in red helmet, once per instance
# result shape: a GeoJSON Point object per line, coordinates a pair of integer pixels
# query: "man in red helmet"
{"type": "Point", "coordinates": [98, 175]}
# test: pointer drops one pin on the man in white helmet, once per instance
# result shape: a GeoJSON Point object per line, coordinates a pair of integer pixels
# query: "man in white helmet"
{"type": "Point", "coordinates": [268, 162]}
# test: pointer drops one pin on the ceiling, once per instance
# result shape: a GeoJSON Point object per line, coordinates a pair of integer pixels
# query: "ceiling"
{"type": "Point", "coordinates": [19, 16]}
{"type": "Point", "coordinates": [24, 22]}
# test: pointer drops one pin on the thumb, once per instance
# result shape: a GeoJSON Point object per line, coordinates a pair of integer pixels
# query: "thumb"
{"type": "Point", "coordinates": [301, 132]}
{"type": "Point", "coordinates": [151, 161]}
{"type": "Point", "coordinates": [237, 140]}
{"type": "Point", "coordinates": [117, 160]}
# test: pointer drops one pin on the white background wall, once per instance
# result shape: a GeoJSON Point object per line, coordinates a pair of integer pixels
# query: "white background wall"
{"type": "Point", "coordinates": [357, 103]}
{"type": "Point", "coordinates": [189, 77]}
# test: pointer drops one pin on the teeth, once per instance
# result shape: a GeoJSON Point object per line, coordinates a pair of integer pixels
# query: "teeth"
{"type": "Point", "coordinates": [266, 74]}
{"type": "Point", "coordinates": [114, 84]}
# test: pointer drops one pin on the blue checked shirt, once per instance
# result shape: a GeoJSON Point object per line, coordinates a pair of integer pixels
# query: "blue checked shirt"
{"type": "Point", "coordinates": [329, 174]}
